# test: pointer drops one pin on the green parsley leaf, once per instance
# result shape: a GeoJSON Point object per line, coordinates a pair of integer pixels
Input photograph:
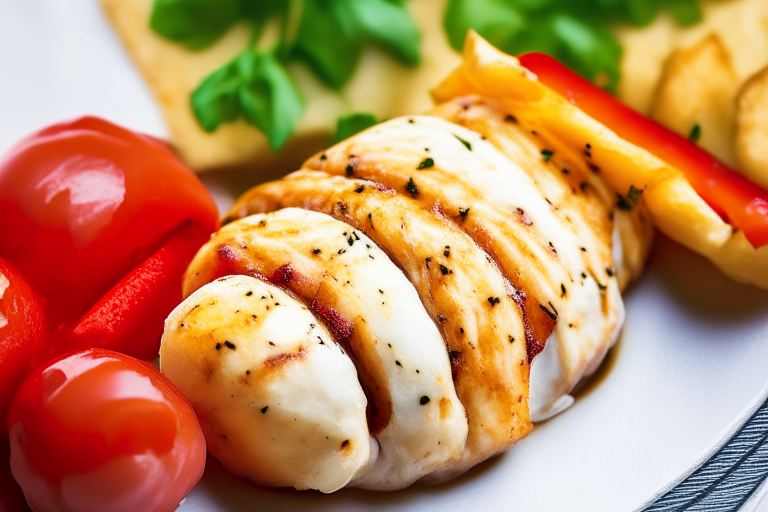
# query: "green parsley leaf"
{"type": "Point", "coordinates": [465, 142]}
{"type": "Point", "coordinates": [255, 86]}
{"type": "Point", "coordinates": [347, 126]}
{"type": "Point", "coordinates": [685, 12]}
{"type": "Point", "coordinates": [495, 20]}
{"type": "Point", "coordinates": [194, 23]}
{"type": "Point", "coordinates": [328, 40]}
{"type": "Point", "coordinates": [389, 24]}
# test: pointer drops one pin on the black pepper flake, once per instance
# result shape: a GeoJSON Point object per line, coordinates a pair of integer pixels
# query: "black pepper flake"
{"type": "Point", "coordinates": [583, 275]}
{"type": "Point", "coordinates": [442, 318]}
{"type": "Point", "coordinates": [264, 409]}
{"type": "Point", "coordinates": [354, 234]}
{"type": "Point", "coordinates": [182, 324]}
{"type": "Point", "coordinates": [321, 340]}
{"type": "Point", "coordinates": [583, 249]}
{"type": "Point", "coordinates": [463, 212]}
{"type": "Point", "coordinates": [341, 251]}
{"type": "Point", "coordinates": [359, 189]}
{"type": "Point", "coordinates": [565, 171]}
{"type": "Point", "coordinates": [494, 300]}
{"type": "Point", "coordinates": [411, 121]}
{"type": "Point", "coordinates": [587, 153]}
{"type": "Point", "coordinates": [323, 157]}
{"type": "Point", "coordinates": [549, 313]}
{"type": "Point", "coordinates": [425, 164]}
{"type": "Point", "coordinates": [262, 223]}
{"type": "Point", "coordinates": [454, 354]}
{"type": "Point", "coordinates": [465, 142]}
{"type": "Point", "coordinates": [461, 330]}
{"type": "Point", "coordinates": [230, 345]}
{"type": "Point", "coordinates": [218, 346]}
{"type": "Point", "coordinates": [427, 260]}
{"type": "Point", "coordinates": [609, 272]}
{"type": "Point", "coordinates": [562, 288]}
{"type": "Point", "coordinates": [398, 363]}
{"type": "Point", "coordinates": [342, 206]}
{"type": "Point", "coordinates": [546, 154]}
{"type": "Point", "coordinates": [272, 343]}
{"type": "Point", "coordinates": [552, 248]}
{"type": "Point", "coordinates": [510, 118]}
{"type": "Point", "coordinates": [511, 338]}
{"type": "Point", "coordinates": [249, 293]}
{"type": "Point", "coordinates": [447, 251]}
{"type": "Point", "coordinates": [316, 251]}
{"type": "Point", "coordinates": [350, 240]}
{"type": "Point", "coordinates": [424, 400]}
{"type": "Point", "coordinates": [593, 167]}
{"type": "Point", "coordinates": [247, 372]}
{"type": "Point", "coordinates": [350, 170]}
{"type": "Point", "coordinates": [445, 270]}
{"type": "Point", "coordinates": [411, 187]}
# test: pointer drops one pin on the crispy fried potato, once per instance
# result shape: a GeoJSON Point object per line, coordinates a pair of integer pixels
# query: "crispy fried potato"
{"type": "Point", "coordinates": [751, 143]}
{"type": "Point", "coordinates": [697, 88]}
{"type": "Point", "coordinates": [675, 208]}
{"type": "Point", "coordinates": [740, 24]}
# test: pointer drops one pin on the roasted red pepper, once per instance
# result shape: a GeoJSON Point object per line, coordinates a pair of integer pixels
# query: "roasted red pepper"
{"type": "Point", "coordinates": [736, 199]}
{"type": "Point", "coordinates": [129, 318]}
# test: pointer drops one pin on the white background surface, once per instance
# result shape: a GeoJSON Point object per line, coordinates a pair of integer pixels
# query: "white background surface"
{"type": "Point", "coordinates": [692, 360]}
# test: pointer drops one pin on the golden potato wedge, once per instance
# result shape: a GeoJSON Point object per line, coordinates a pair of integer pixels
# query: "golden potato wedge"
{"type": "Point", "coordinates": [751, 143]}
{"type": "Point", "coordinates": [695, 96]}
{"type": "Point", "coordinates": [742, 25]}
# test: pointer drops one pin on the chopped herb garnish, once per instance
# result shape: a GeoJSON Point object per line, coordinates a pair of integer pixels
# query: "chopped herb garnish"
{"type": "Point", "coordinates": [629, 202]}
{"type": "Point", "coordinates": [426, 164]}
{"type": "Point", "coordinates": [695, 133]}
{"type": "Point", "coordinates": [546, 154]}
{"type": "Point", "coordinates": [411, 187]}
{"type": "Point", "coordinates": [466, 143]}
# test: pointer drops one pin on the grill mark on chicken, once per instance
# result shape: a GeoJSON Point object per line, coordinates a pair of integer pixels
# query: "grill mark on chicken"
{"type": "Point", "coordinates": [231, 259]}
{"type": "Point", "coordinates": [496, 420]}
{"type": "Point", "coordinates": [318, 281]}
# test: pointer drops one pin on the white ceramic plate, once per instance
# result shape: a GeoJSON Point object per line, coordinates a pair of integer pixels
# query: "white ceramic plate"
{"type": "Point", "coordinates": [691, 365]}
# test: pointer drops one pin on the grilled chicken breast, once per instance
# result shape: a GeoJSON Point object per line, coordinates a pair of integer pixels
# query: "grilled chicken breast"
{"type": "Point", "coordinates": [471, 271]}
{"type": "Point", "coordinates": [373, 311]}
{"type": "Point", "coordinates": [278, 401]}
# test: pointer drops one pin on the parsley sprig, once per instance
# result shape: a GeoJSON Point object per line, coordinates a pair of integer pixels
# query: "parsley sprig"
{"type": "Point", "coordinates": [573, 31]}
{"type": "Point", "coordinates": [327, 35]}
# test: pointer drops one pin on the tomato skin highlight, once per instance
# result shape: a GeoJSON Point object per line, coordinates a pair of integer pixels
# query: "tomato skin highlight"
{"type": "Point", "coordinates": [99, 430]}
{"type": "Point", "coordinates": [84, 202]}
{"type": "Point", "coordinates": [22, 334]}
{"type": "Point", "coordinates": [736, 199]}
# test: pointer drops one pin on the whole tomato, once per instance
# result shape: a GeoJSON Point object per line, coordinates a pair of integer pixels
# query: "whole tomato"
{"type": "Point", "coordinates": [22, 333]}
{"type": "Point", "coordinates": [96, 430]}
{"type": "Point", "coordinates": [82, 203]}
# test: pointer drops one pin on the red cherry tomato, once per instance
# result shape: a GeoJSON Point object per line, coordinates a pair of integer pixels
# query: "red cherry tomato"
{"type": "Point", "coordinates": [97, 430]}
{"type": "Point", "coordinates": [83, 203]}
{"type": "Point", "coordinates": [21, 334]}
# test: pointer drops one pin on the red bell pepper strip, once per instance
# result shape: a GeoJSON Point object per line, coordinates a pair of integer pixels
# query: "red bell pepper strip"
{"type": "Point", "coordinates": [736, 199]}
{"type": "Point", "coordinates": [129, 318]}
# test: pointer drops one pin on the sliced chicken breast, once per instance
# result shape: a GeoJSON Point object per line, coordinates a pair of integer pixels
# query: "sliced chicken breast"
{"type": "Point", "coordinates": [371, 307]}
{"type": "Point", "coordinates": [561, 259]}
{"type": "Point", "coordinates": [458, 283]}
{"type": "Point", "coordinates": [278, 401]}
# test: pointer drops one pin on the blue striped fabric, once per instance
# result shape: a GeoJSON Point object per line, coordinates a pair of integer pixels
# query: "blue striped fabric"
{"type": "Point", "coordinates": [725, 481]}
